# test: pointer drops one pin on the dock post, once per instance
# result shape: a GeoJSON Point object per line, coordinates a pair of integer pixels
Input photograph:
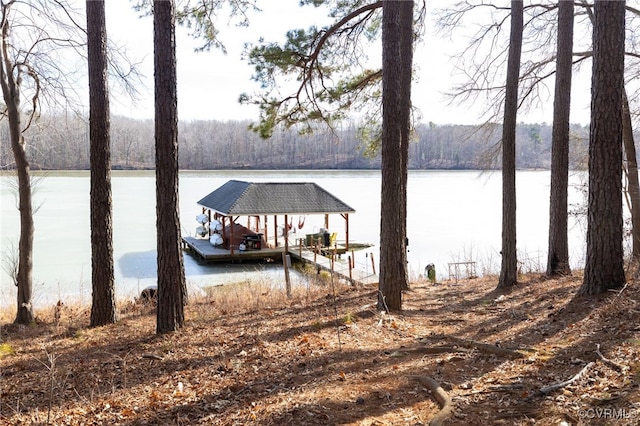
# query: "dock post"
{"type": "Point", "coordinates": [373, 264]}
{"type": "Point", "coordinates": [350, 271]}
{"type": "Point", "coordinates": [286, 260]}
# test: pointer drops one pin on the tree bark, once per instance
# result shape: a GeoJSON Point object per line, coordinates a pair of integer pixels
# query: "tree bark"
{"type": "Point", "coordinates": [406, 46]}
{"type": "Point", "coordinates": [395, 91]}
{"type": "Point", "coordinates": [11, 96]}
{"type": "Point", "coordinates": [558, 253]}
{"type": "Point", "coordinates": [103, 303]}
{"type": "Point", "coordinates": [171, 278]}
{"type": "Point", "coordinates": [604, 268]}
{"type": "Point", "coordinates": [509, 269]}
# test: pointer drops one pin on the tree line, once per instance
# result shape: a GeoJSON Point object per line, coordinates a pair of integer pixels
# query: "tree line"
{"type": "Point", "coordinates": [62, 143]}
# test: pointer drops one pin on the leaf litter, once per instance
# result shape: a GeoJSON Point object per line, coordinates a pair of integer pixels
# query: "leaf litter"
{"type": "Point", "coordinates": [325, 360]}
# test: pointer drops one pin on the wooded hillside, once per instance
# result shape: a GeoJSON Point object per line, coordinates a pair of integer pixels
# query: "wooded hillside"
{"type": "Point", "coordinates": [62, 143]}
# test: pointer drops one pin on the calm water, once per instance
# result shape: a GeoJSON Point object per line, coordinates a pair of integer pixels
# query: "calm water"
{"type": "Point", "coordinates": [452, 216]}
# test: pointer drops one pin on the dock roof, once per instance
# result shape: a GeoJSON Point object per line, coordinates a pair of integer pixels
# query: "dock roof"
{"type": "Point", "coordinates": [272, 198]}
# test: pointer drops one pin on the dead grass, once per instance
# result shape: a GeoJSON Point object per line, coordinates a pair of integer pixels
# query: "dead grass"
{"type": "Point", "coordinates": [249, 356]}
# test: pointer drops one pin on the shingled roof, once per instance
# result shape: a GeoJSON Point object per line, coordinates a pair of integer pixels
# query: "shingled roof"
{"type": "Point", "coordinates": [272, 198]}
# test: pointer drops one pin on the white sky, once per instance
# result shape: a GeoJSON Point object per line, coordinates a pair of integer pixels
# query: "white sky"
{"type": "Point", "coordinates": [209, 83]}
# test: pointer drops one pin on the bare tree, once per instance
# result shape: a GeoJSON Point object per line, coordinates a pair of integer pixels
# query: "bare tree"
{"type": "Point", "coordinates": [41, 42]}
{"type": "Point", "coordinates": [31, 68]}
{"type": "Point", "coordinates": [172, 291]}
{"type": "Point", "coordinates": [604, 268]}
{"type": "Point", "coordinates": [10, 78]}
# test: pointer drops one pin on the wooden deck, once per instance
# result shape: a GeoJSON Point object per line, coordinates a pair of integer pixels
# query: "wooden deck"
{"type": "Point", "coordinates": [339, 267]}
{"type": "Point", "coordinates": [202, 250]}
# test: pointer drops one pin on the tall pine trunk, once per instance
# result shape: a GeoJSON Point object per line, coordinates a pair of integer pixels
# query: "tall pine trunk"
{"type": "Point", "coordinates": [103, 303]}
{"type": "Point", "coordinates": [406, 54]}
{"type": "Point", "coordinates": [509, 269]}
{"type": "Point", "coordinates": [604, 268]}
{"type": "Point", "coordinates": [558, 253]}
{"type": "Point", "coordinates": [171, 278]}
{"type": "Point", "coordinates": [397, 19]}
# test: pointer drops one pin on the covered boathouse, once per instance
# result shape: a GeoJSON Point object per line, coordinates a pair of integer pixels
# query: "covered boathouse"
{"type": "Point", "coordinates": [222, 237]}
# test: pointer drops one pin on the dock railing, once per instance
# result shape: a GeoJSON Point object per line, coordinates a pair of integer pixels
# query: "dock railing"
{"type": "Point", "coordinates": [344, 265]}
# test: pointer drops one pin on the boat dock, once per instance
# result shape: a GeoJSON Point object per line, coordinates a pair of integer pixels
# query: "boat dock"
{"type": "Point", "coordinates": [264, 205]}
{"type": "Point", "coordinates": [202, 250]}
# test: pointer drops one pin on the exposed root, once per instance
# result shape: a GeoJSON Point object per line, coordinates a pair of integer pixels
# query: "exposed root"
{"type": "Point", "coordinates": [443, 398]}
{"type": "Point", "coordinates": [483, 347]}
{"type": "Point", "coordinates": [611, 364]}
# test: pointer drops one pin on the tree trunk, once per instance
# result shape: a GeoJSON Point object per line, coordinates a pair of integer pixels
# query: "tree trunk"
{"type": "Point", "coordinates": [604, 267]}
{"type": "Point", "coordinates": [103, 303]}
{"type": "Point", "coordinates": [632, 175]}
{"type": "Point", "coordinates": [406, 46]}
{"type": "Point", "coordinates": [24, 314]}
{"type": "Point", "coordinates": [171, 278]}
{"type": "Point", "coordinates": [509, 270]}
{"type": "Point", "coordinates": [558, 254]}
{"type": "Point", "coordinates": [11, 96]}
{"type": "Point", "coordinates": [395, 91]}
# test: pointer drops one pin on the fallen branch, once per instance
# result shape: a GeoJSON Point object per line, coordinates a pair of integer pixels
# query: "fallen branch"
{"type": "Point", "coordinates": [618, 293]}
{"type": "Point", "coordinates": [446, 408]}
{"type": "Point", "coordinates": [551, 388]}
{"type": "Point", "coordinates": [483, 347]}
{"type": "Point", "coordinates": [611, 364]}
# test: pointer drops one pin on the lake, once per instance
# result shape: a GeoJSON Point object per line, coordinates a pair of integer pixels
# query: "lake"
{"type": "Point", "coordinates": [453, 216]}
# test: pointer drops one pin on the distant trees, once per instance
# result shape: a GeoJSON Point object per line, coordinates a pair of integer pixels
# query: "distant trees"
{"type": "Point", "coordinates": [103, 300]}
{"type": "Point", "coordinates": [62, 143]}
{"type": "Point", "coordinates": [604, 268]}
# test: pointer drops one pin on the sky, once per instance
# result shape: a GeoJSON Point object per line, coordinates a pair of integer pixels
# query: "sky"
{"type": "Point", "coordinates": [209, 83]}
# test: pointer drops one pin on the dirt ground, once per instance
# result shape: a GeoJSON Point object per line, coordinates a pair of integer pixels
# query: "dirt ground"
{"type": "Point", "coordinates": [330, 358]}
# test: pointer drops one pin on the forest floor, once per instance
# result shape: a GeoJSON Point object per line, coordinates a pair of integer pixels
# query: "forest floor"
{"type": "Point", "coordinates": [250, 356]}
